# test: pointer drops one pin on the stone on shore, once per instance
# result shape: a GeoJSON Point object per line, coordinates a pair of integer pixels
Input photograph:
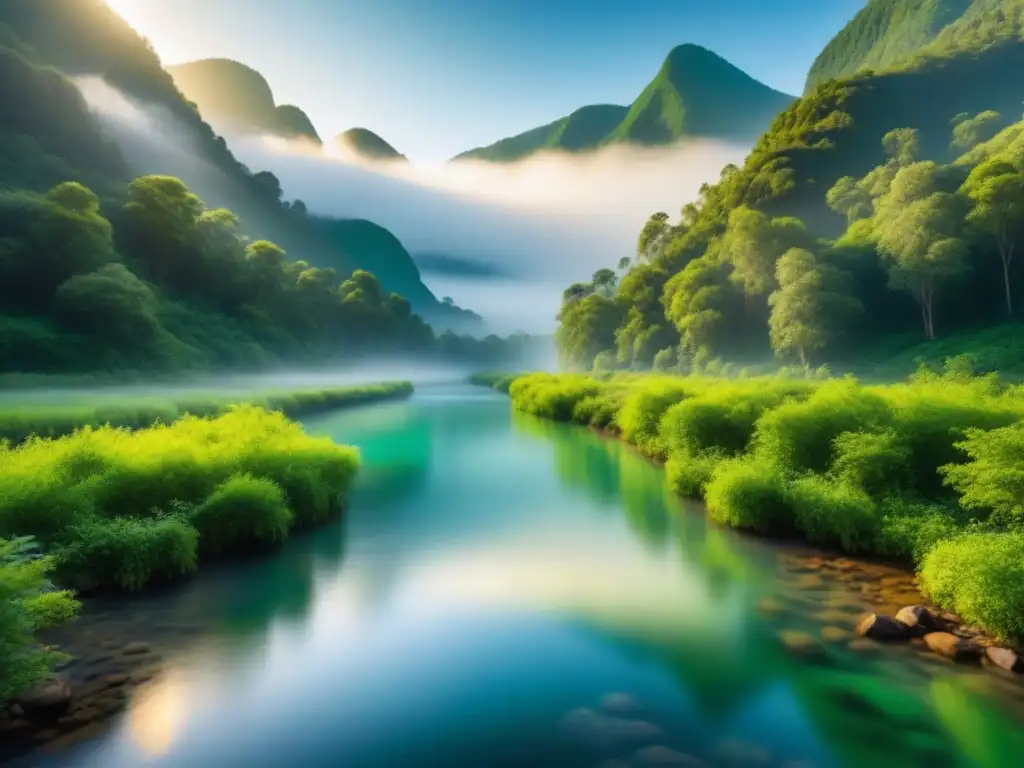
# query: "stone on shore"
{"type": "Point", "coordinates": [952, 647]}
{"type": "Point", "coordinates": [1005, 658]}
{"type": "Point", "coordinates": [49, 700]}
{"type": "Point", "coordinates": [878, 627]}
{"type": "Point", "coordinates": [918, 619]}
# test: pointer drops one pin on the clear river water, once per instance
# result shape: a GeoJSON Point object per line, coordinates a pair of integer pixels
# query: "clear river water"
{"type": "Point", "coordinates": [507, 592]}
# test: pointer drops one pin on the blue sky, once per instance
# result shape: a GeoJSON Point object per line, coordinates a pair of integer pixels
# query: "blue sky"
{"type": "Point", "coordinates": [436, 77]}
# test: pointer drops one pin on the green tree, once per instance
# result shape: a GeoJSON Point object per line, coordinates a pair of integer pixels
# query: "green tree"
{"type": "Point", "coordinates": [804, 311]}
{"type": "Point", "coordinates": [969, 132]}
{"type": "Point", "coordinates": [160, 222]}
{"type": "Point", "coordinates": [696, 301]}
{"type": "Point", "coordinates": [586, 327]}
{"type": "Point", "coordinates": [920, 231]}
{"type": "Point", "coordinates": [110, 303]}
{"type": "Point", "coordinates": [997, 191]}
{"type": "Point", "coordinates": [652, 237]}
{"type": "Point", "coordinates": [604, 281]}
{"type": "Point", "coordinates": [752, 244]}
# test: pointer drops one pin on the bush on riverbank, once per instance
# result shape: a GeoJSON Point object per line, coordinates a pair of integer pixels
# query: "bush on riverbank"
{"type": "Point", "coordinates": [18, 421]}
{"type": "Point", "coordinates": [27, 605]}
{"type": "Point", "coordinates": [122, 509]}
{"type": "Point", "coordinates": [902, 470]}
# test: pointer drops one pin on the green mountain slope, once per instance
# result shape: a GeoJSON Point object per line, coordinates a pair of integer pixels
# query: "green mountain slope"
{"type": "Point", "coordinates": [231, 92]}
{"type": "Point", "coordinates": [53, 138]}
{"type": "Point", "coordinates": [584, 129]}
{"type": "Point", "coordinates": [696, 93]}
{"type": "Point", "coordinates": [367, 144]}
{"type": "Point", "coordinates": [883, 32]}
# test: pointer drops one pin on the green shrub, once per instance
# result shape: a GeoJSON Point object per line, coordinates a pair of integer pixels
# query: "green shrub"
{"type": "Point", "coordinates": [243, 512]}
{"type": "Point", "coordinates": [980, 576]}
{"type": "Point", "coordinates": [99, 495]}
{"type": "Point", "coordinates": [993, 478]}
{"type": "Point", "coordinates": [550, 396]}
{"type": "Point", "coordinates": [800, 435]}
{"type": "Point", "coordinates": [639, 418]}
{"type": "Point", "coordinates": [908, 529]}
{"type": "Point", "coordinates": [128, 554]}
{"type": "Point", "coordinates": [689, 476]}
{"type": "Point", "coordinates": [722, 419]}
{"type": "Point", "coordinates": [833, 513]}
{"type": "Point", "coordinates": [27, 604]}
{"type": "Point", "coordinates": [747, 494]}
{"type": "Point", "coordinates": [876, 462]}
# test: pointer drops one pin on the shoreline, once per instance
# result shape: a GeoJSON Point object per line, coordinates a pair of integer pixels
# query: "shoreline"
{"type": "Point", "coordinates": [972, 642]}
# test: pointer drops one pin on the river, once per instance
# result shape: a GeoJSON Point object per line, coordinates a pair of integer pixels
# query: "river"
{"type": "Point", "coordinates": [507, 592]}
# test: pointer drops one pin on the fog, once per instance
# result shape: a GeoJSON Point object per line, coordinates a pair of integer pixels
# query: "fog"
{"type": "Point", "coordinates": [543, 222]}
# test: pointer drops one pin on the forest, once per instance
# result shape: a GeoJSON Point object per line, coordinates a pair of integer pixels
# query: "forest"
{"type": "Point", "coordinates": [100, 271]}
{"type": "Point", "coordinates": [869, 219]}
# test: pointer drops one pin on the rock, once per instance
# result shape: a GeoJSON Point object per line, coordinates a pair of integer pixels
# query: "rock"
{"type": "Point", "coordinates": [621, 704]}
{"type": "Point", "coordinates": [1005, 658]}
{"type": "Point", "coordinates": [877, 627]}
{"type": "Point", "coordinates": [800, 643]}
{"type": "Point", "coordinates": [769, 605]}
{"type": "Point", "coordinates": [863, 645]}
{"type": "Point", "coordinates": [835, 634]}
{"type": "Point", "coordinates": [607, 733]}
{"type": "Point", "coordinates": [952, 647]}
{"type": "Point", "coordinates": [659, 755]}
{"type": "Point", "coordinates": [136, 649]}
{"type": "Point", "coordinates": [48, 700]}
{"type": "Point", "coordinates": [738, 753]}
{"type": "Point", "coordinates": [116, 679]}
{"type": "Point", "coordinates": [809, 581]}
{"type": "Point", "coordinates": [919, 619]}
{"type": "Point", "coordinates": [16, 711]}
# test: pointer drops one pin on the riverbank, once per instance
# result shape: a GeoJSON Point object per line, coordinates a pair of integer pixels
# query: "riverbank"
{"type": "Point", "coordinates": [864, 470]}
{"type": "Point", "coordinates": [106, 510]}
{"type": "Point", "coordinates": [20, 419]}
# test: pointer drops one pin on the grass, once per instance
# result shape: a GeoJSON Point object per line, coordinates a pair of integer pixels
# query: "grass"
{"type": "Point", "coordinates": [121, 509]}
{"type": "Point", "coordinates": [21, 420]}
{"type": "Point", "coordinates": [929, 471]}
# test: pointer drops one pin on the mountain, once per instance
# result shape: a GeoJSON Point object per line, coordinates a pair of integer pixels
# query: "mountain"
{"type": "Point", "coordinates": [367, 145]}
{"type": "Point", "coordinates": [890, 34]}
{"type": "Point", "coordinates": [584, 129]}
{"type": "Point", "coordinates": [200, 304]}
{"type": "Point", "coordinates": [231, 93]}
{"type": "Point", "coordinates": [696, 94]}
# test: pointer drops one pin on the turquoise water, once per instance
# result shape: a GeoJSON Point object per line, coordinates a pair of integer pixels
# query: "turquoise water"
{"type": "Point", "coordinates": [494, 580]}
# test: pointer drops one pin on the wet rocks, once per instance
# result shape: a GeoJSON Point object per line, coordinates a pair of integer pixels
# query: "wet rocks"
{"type": "Point", "coordinates": [952, 647]}
{"type": "Point", "coordinates": [1004, 658]}
{"type": "Point", "coordinates": [657, 756]}
{"type": "Point", "coordinates": [801, 644]}
{"type": "Point", "coordinates": [621, 705]}
{"type": "Point", "coordinates": [835, 634]}
{"type": "Point", "coordinates": [136, 649]}
{"type": "Point", "coordinates": [606, 733]}
{"type": "Point", "coordinates": [919, 620]}
{"type": "Point", "coordinates": [47, 701]}
{"type": "Point", "coordinates": [884, 628]}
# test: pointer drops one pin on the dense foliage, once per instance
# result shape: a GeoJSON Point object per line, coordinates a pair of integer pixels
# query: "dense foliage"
{"type": "Point", "coordinates": [695, 94]}
{"type": "Point", "coordinates": [21, 419]}
{"type": "Point", "coordinates": [28, 603]}
{"type": "Point", "coordinates": [52, 137]}
{"type": "Point", "coordinates": [870, 207]}
{"type": "Point", "coordinates": [926, 471]}
{"type": "Point", "coordinates": [121, 509]}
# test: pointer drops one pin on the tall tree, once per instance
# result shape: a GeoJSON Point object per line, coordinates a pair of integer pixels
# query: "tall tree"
{"type": "Point", "coordinates": [805, 309]}
{"type": "Point", "coordinates": [997, 191]}
{"type": "Point", "coordinates": [920, 231]}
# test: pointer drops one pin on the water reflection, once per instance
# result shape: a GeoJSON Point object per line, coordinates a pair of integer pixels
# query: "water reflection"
{"type": "Point", "coordinates": [494, 574]}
